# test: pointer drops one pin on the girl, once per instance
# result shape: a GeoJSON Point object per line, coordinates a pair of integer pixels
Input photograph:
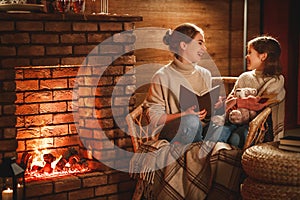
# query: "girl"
{"type": "Point", "coordinates": [263, 61]}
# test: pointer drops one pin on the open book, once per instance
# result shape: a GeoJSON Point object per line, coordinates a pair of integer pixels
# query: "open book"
{"type": "Point", "coordinates": [205, 101]}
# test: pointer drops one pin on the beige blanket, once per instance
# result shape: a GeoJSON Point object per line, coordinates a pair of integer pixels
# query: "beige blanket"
{"type": "Point", "coordinates": [197, 171]}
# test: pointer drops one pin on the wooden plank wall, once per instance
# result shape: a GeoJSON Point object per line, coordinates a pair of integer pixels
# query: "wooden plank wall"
{"type": "Point", "coordinates": [221, 20]}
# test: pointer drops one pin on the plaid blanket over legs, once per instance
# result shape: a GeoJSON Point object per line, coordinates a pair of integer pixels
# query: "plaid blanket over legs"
{"type": "Point", "coordinates": [228, 175]}
{"type": "Point", "coordinates": [197, 171]}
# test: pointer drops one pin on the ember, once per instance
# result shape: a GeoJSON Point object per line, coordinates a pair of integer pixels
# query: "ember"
{"type": "Point", "coordinates": [44, 164]}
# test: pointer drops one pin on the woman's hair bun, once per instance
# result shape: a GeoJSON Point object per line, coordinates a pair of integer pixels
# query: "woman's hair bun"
{"type": "Point", "coordinates": [167, 37]}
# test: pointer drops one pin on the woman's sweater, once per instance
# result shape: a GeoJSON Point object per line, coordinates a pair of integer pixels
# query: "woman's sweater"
{"type": "Point", "coordinates": [163, 94]}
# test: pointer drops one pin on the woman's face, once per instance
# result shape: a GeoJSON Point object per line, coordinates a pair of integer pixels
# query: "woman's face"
{"type": "Point", "coordinates": [254, 59]}
{"type": "Point", "coordinates": [193, 51]}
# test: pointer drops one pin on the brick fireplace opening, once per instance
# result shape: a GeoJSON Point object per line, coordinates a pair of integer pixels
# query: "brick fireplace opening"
{"type": "Point", "coordinates": [45, 124]}
{"type": "Point", "coordinates": [46, 105]}
{"type": "Point", "coordinates": [45, 108]}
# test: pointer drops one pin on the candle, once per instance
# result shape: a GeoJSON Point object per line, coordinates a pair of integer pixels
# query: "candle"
{"type": "Point", "coordinates": [7, 194]}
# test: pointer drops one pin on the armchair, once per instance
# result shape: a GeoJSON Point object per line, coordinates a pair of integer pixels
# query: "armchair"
{"type": "Point", "coordinates": [225, 158]}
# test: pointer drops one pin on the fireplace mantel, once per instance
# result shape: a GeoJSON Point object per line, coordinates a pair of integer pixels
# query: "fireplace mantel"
{"type": "Point", "coordinates": [70, 17]}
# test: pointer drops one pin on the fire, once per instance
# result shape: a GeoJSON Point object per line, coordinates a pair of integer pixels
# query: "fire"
{"type": "Point", "coordinates": [43, 164]}
{"type": "Point", "coordinates": [37, 159]}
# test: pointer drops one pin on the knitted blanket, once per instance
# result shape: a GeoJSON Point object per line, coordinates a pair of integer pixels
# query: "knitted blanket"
{"type": "Point", "coordinates": [197, 171]}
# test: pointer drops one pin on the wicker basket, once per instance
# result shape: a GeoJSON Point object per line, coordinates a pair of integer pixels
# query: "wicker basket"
{"type": "Point", "coordinates": [269, 164]}
{"type": "Point", "coordinates": [252, 189]}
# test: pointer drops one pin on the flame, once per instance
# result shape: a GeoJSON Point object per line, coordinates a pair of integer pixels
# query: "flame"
{"type": "Point", "coordinates": [39, 152]}
{"type": "Point", "coordinates": [37, 159]}
{"type": "Point", "coordinates": [45, 167]}
{"type": "Point", "coordinates": [68, 165]}
{"type": "Point", "coordinates": [68, 169]}
{"type": "Point", "coordinates": [54, 163]}
{"type": "Point", "coordinates": [9, 190]}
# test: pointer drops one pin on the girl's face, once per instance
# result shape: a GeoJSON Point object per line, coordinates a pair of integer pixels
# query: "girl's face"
{"type": "Point", "coordinates": [254, 59]}
{"type": "Point", "coordinates": [193, 51]}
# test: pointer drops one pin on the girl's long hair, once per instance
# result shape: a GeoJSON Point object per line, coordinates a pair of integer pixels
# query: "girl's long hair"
{"type": "Point", "coordinates": [269, 45]}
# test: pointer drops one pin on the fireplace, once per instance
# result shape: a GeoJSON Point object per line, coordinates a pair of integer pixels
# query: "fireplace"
{"type": "Point", "coordinates": [46, 132]}
{"type": "Point", "coordinates": [56, 107]}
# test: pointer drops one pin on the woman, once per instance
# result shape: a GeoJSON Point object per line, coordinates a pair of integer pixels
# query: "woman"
{"type": "Point", "coordinates": [187, 43]}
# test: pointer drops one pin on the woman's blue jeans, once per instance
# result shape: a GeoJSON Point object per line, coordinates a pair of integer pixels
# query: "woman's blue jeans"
{"type": "Point", "coordinates": [186, 130]}
{"type": "Point", "coordinates": [216, 133]}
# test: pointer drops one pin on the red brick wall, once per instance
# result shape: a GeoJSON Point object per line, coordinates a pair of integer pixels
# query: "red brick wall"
{"type": "Point", "coordinates": [42, 40]}
{"type": "Point", "coordinates": [44, 109]}
{"type": "Point", "coordinates": [96, 185]}
{"type": "Point", "coordinates": [51, 39]}
{"type": "Point", "coordinates": [40, 55]}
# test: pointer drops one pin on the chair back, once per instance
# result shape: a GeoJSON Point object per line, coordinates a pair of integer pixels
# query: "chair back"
{"type": "Point", "coordinates": [257, 128]}
{"type": "Point", "coordinates": [138, 127]}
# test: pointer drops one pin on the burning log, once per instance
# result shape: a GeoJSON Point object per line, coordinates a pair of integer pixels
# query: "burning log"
{"type": "Point", "coordinates": [47, 168]}
{"type": "Point", "coordinates": [74, 159]}
{"type": "Point", "coordinates": [48, 158]}
{"type": "Point", "coordinates": [47, 165]}
{"type": "Point", "coordinates": [70, 152]}
{"type": "Point", "coordinates": [60, 165]}
{"type": "Point", "coordinates": [25, 160]}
